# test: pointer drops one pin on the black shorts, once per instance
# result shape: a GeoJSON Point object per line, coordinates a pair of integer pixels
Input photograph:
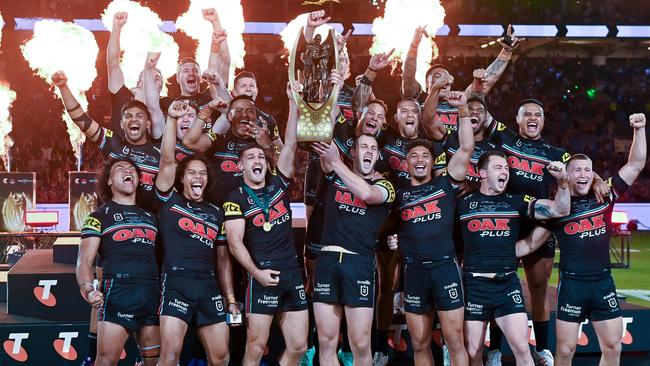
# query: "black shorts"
{"type": "Point", "coordinates": [192, 297]}
{"type": "Point", "coordinates": [432, 285]}
{"type": "Point", "coordinates": [288, 295]}
{"type": "Point", "coordinates": [346, 279]}
{"type": "Point", "coordinates": [591, 297]}
{"type": "Point", "coordinates": [487, 298]}
{"type": "Point", "coordinates": [314, 232]}
{"type": "Point", "coordinates": [130, 302]}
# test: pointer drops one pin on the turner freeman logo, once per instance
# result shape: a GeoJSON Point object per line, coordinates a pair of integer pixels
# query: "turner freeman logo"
{"type": "Point", "coordinates": [44, 294]}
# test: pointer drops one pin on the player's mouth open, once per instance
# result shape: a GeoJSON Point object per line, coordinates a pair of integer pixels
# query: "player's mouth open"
{"type": "Point", "coordinates": [191, 81]}
{"type": "Point", "coordinates": [371, 125]}
{"type": "Point", "coordinates": [257, 169]}
{"type": "Point", "coordinates": [184, 127]}
{"type": "Point", "coordinates": [420, 168]}
{"type": "Point", "coordinates": [128, 179]}
{"type": "Point", "coordinates": [474, 120]}
{"type": "Point", "coordinates": [197, 188]}
{"type": "Point", "coordinates": [502, 179]}
{"type": "Point", "coordinates": [410, 122]}
{"type": "Point", "coordinates": [134, 127]}
{"type": "Point", "coordinates": [582, 182]}
{"type": "Point", "coordinates": [532, 126]}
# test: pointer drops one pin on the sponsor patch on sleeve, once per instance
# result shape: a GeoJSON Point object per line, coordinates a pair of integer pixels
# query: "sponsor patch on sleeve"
{"type": "Point", "coordinates": [212, 136]}
{"type": "Point", "coordinates": [231, 209]}
{"type": "Point", "coordinates": [528, 198]}
{"type": "Point", "coordinates": [501, 126]}
{"type": "Point", "coordinates": [565, 157]}
{"type": "Point", "coordinates": [389, 188]}
{"type": "Point", "coordinates": [441, 159]}
{"type": "Point", "coordinates": [92, 223]}
{"type": "Point", "coordinates": [108, 132]}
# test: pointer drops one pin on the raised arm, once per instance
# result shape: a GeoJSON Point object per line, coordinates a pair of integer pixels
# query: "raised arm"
{"type": "Point", "coordinates": [433, 128]}
{"type": "Point", "coordinates": [167, 171]}
{"type": "Point", "coordinates": [151, 95]}
{"type": "Point", "coordinates": [410, 86]}
{"type": "Point", "coordinates": [638, 151]}
{"type": "Point", "coordinates": [115, 75]}
{"type": "Point", "coordinates": [561, 205]}
{"type": "Point", "coordinates": [370, 194]}
{"type": "Point", "coordinates": [484, 80]}
{"type": "Point", "coordinates": [314, 20]}
{"type": "Point", "coordinates": [88, 249]}
{"type": "Point", "coordinates": [287, 159]}
{"type": "Point", "coordinates": [363, 91]}
{"type": "Point", "coordinates": [534, 240]}
{"type": "Point", "coordinates": [219, 53]}
{"type": "Point", "coordinates": [457, 167]}
{"type": "Point", "coordinates": [195, 139]}
{"type": "Point", "coordinates": [235, 230]}
{"type": "Point", "coordinates": [87, 125]}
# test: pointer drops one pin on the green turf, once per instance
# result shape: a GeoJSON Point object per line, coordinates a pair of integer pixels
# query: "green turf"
{"type": "Point", "coordinates": [636, 277]}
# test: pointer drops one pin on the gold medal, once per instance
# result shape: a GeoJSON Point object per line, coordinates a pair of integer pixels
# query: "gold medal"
{"type": "Point", "coordinates": [267, 226]}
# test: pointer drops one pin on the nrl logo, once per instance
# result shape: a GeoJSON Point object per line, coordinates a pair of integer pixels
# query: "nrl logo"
{"type": "Point", "coordinates": [301, 293]}
{"type": "Point", "coordinates": [363, 290]}
{"type": "Point", "coordinates": [516, 298]}
{"type": "Point", "coordinates": [453, 293]}
{"type": "Point", "coordinates": [612, 302]}
{"type": "Point", "coordinates": [219, 305]}
{"type": "Point", "coordinates": [473, 205]}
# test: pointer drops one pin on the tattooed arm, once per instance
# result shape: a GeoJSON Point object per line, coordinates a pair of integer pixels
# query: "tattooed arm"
{"type": "Point", "coordinates": [363, 91]}
{"type": "Point", "coordinates": [561, 205]}
{"type": "Point", "coordinates": [410, 86]}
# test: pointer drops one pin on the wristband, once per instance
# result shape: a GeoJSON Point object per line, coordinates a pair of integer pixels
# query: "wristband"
{"type": "Point", "coordinates": [414, 45]}
{"type": "Point", "coordinates": [373, 70]}
{"type": "Point", "coordinates": [74, 108]}
{"type": "Point", "coordinates": [84, 122]}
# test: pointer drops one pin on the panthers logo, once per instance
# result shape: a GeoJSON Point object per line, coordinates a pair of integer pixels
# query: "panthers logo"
{"type": "Point", "coordinates": [13, 211]}
{"type": "Point", "coordinates": [86, 204]}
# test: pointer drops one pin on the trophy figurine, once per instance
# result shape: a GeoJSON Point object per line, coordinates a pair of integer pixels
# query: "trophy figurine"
{"type": "Point", "coordinates": [311, 64]}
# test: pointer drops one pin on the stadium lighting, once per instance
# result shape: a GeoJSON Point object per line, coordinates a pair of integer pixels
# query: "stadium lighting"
{"type": "Point", "coordinates": [480, 30]}
{"type": "Point", "coordinates": [591, 94]}
{"type": "Point", "coordinates": [619, 218]}
{"type": "Point", "coordinates": [524, 30]}
{"type": "Point", "coordinates": [587, 31]}
{"type": "Point", "coordinates": [633, 31]}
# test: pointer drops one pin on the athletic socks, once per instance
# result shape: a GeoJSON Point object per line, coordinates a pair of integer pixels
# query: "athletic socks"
{"type": "Point", "coordinates": [382, 341]}
{"type": "Point", "coordinates": [541, 335]}
{"type": "Point", "coordinates": [92, 345]}
{"type": "Point", "coordinates": [495, 336]}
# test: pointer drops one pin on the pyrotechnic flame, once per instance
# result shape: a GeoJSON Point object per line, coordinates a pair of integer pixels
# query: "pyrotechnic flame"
{"type": "Point", "coordinates": [68, 47]}
{"type": "Point", "coordinates": [142, 34]}
{"type": "Point", "coordinates": [7, 96]}
{"type": "Point", "coordinates": [395, 30]}
{"type": "Point", "coordinates": [231, 16]}
{"type": "Point", "coordinates": [2, 25]}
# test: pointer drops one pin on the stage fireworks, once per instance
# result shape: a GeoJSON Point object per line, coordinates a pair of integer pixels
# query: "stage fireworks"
{"type": "Point", "coordinates": [142, 34]}
{"type": "Point", "coordinates": [2, 25]}
{"type": "Point", "coordinates": [7, 96]}
{"type": "Point", "coordinates": [68, 47]}
{"type": "Point", "coordinates": [395, 30]}
{"type": "Point", "coordinates": [231, 16]}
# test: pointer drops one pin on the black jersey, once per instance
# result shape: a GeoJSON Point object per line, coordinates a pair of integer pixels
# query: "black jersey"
{"type": "Point", "coordinates": [146, 157]}
{"type": "Point", "coordinates": [445, 113]}
{"type": "Point", "coordinates": [268, 121]}
{"type": "Point", "coordinates": [393, 159]}
{"type": "Point", "coordinates": [351, 223]}
{"type": "Point", "coordinates": [201, 99]}
{"type": "Point", "coordinates": [426, 219]}
{"type": "Point", "coordinates": [344, 135]}
{"type": "Point", "coordinates": [128, 239]}
{"type": "Point", "coordinates": [584, 234]}
{"type": "Point", "coordinates": [181, 151]}
{"type": "Point", "coordinates": [452, 144]}
{"type": "Point", "coordinates": [490, 228]}
{"type": "Point", "coordinates": [225, 153]}
{"type": "Point", "coordinates": [344, 102]}
{"type": "Point", "coordinates": [188, 232]}
{"type": "Point", "coordinates": [527, 160]}
{"type": "Point", "coordinates": [277, 242]}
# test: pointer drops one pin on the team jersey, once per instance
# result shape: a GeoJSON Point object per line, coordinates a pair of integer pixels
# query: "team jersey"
{"type": "Point", "coordinates": [277, 242]}
{"type": "Point", "coordinates": [181, 152]}
{"type": "Point", "coordinates": [527, 160]}
{"type": "Point", "coordinates": [344, 102]}
{"type": "Point", "coordinates": [584, 234]}
{"type": "Point", "coordinates": [201, 99]}
{"type": "Point", "coordinates": [225, 153]}
{"type": "Point", "coordinates": [128, 238]}
{"type": "Point", "coordinates": [445, 113]}
{"type": "Point", "coordinates": [351, 223]}
{"type": "Point", "coordinates": [189, 232]}
{"type": "Point", "coordinates": [344, 135]}
{"type": "Point", "coordinates": [268, 121]}
{"type": "Point", "coordinates": [146, 157]}
{"type": "Point", "coordinates": [490, 228]}
{"type": "Point", "coordinates": [451, 146]}
{"type": "Point", "coordinates": [426, 219]}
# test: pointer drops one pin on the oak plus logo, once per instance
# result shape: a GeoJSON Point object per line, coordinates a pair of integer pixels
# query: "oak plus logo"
{"type": "Point", "coordinates": [63, 345]}
{"type": "Point", "coordinates": [13, 346]}
{"type": "Point", "coordinates": [44, 294]}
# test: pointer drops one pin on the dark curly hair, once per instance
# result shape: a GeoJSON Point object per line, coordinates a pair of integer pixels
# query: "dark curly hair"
{"type": "Point", "coordinates": [103, 188]}
{"type": "Point", "coordinates": [182, 167]}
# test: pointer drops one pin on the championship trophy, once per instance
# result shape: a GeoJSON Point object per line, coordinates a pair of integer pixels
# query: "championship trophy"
{"type": "Point", "coordinates": [311, 64]}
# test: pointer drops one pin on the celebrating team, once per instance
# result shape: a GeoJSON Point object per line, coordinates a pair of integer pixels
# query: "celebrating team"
{"type": "Point", "coordinates": [193, 183]}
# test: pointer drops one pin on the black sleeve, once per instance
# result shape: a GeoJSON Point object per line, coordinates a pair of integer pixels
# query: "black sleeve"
{"type": "Point", "coordinates": [618, 185]}
{"type": "Point", "coordinates": [232, 209]}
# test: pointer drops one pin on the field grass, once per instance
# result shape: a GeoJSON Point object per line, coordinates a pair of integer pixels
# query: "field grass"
{"type": "Point", "coordinates": [637, 277]}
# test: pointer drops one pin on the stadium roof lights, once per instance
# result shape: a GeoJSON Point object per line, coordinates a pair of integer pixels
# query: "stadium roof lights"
{"type": "Point", "coordinates": [462, 30]}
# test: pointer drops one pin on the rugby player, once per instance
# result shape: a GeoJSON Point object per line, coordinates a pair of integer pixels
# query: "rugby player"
{"type": "Point", "coordinates": [193, 246]}
{"type": "Point", "coordinates": [135, 123]}
{"type": "Point", "coordinates": [484, 80]}
{"type": "Point", "coordinates": [426, 209]}
{"type": "Point", "coordinates": [528, 156]}
{"type": "Point", "coordinates": [356, 205]}
{"type": "Point", "coordinates": [490, 222]}
{"type": "Point", "coordinates": [260, 237]}
{"type": "Point", "coordinates": [124, 236]}
{"type": "Point", "coordinates": [586, 289]}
